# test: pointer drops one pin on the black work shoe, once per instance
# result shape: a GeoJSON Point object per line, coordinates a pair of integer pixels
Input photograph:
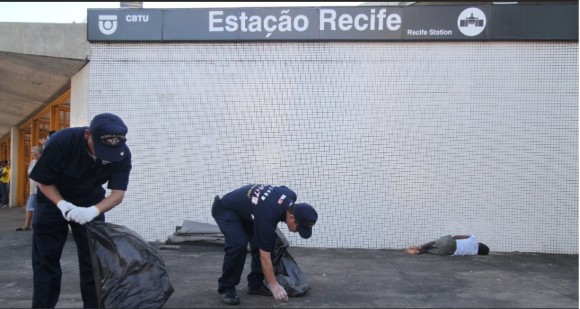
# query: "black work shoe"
{"type": "Point", "coordinates": [230, 298]}
{"type": "Point", "coordinates": [262, 290]}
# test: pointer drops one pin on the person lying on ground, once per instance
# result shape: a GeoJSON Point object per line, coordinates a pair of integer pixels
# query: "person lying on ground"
{"type": "Point", "coordinates": [451, 245]}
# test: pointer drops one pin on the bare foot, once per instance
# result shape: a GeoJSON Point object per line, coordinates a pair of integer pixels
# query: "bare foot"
{"type": "Point", "coordinates": [412, 250]}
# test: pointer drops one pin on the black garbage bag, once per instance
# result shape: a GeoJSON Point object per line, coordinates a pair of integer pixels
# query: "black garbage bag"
{"type": "Point", "coordinates": [129, 272]}
{"type": "Point", "coordinates": [287, 272]}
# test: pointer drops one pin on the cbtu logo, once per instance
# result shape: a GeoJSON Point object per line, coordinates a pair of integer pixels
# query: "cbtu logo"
{"type": "Point", "coordinates": [108, 24]}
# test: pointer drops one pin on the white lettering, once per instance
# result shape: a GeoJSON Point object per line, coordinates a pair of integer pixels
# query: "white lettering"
{"type": "Point", "coordinates": [382, 16]}
{"type": "Point", "coordinates": [243, 19]}
{"type": "Point", "coordinates": [417, 32]}
{"type": "Point", "coordinates": [440, 32]}
{"type": "Point", "coordinates": [213, 20]}
{"type": "Point", "coordinates": [394, 22]}
{"type": "Point", "coordinates": [301, 19]}
{"type": "Point", "coordinates": [285, 23]}
{"type": "Point", "coordinates": [345, 22]}
{"type": "Point", "coordinates": [268, 21]}
{"type": "Point", "coordinates": [357, 22]}
{"type": "Point", "coordinates": [232, 23]}
{"type": "Point", "coordinates": [137, 18]}
{"type": "Point", "coordinates": [256, 23]}
{"type": "Point", "coordinates": [327, 16]}
{"type": "Point", "coordinates": [372, 20]}
{"type": "Point", "coordinates": [361, 22]}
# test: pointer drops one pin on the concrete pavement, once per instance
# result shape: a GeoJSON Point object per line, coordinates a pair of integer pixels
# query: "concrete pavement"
{"type": "Point", "coordinates": [340, 278]}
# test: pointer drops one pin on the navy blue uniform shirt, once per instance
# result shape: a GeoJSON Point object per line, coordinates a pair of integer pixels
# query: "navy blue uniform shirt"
{"type": "Point", "coordinates": [265, 205]}
{"type": "Point", "coordinates": [66, 163]}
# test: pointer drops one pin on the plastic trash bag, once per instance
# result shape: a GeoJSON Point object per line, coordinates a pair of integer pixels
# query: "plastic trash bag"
{"type": "Point", "coordinates": [286, 269]}
{"type": "Point", "coordinates": [129, 272]}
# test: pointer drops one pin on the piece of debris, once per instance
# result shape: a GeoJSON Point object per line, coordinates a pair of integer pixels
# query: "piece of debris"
{"type": "Point", "coordinates": [191, 235]}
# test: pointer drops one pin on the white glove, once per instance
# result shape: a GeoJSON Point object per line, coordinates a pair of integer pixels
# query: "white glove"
{"type": "Point", "coordinates": [82, 215]}
{"type": "Point", "coordinates": [278, 292]}
{"type": "Point", "coordinates": [65, 207]}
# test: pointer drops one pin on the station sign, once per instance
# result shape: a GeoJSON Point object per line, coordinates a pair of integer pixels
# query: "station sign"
{"type": "Point", "coordinates": [360, 23]}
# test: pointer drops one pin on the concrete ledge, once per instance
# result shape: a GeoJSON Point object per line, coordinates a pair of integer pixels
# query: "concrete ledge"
{"type": "Point", "coordinates": [45, 39]}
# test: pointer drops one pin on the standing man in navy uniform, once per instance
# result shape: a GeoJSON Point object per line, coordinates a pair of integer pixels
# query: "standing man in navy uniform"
{"type": "Point", "coordinates": [251, 214]}
{"type": "Point", "coordinates": [71, 173]}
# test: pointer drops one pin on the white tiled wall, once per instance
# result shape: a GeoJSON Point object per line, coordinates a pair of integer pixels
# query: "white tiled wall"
{"type": "Point", "coordinates": [394, 143]}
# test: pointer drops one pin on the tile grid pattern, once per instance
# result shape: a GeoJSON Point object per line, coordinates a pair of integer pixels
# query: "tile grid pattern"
{"type": "Point", "coordinates": [393, 143]}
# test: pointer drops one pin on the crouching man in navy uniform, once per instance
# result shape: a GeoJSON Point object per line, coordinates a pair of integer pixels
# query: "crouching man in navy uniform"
{"type": "Point", "coordinates": [251, 214]}
{"type": "Point", "coordinates": [75, 165]}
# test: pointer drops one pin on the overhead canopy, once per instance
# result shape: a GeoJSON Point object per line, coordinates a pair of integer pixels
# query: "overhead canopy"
{"type": "Point", "coordinates": [37, 61]}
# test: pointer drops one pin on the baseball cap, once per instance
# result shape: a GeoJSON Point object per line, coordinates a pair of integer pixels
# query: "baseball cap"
{"type": "Point", "coordinates": [306, 217]}
{"type": "Point", "coordinates": [108, 132]}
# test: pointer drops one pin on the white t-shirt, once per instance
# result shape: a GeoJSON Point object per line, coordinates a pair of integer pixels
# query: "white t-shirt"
{"type": "Point", "coordinates": [468, 246]}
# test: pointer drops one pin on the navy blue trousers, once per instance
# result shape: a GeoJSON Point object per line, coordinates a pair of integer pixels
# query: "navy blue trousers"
{"type": "Point", "coordinates": [48, 241]}
{"type": "Point", "coordinates": [4, 193]}
{"type": "Point", "coordinates": [238, 234]}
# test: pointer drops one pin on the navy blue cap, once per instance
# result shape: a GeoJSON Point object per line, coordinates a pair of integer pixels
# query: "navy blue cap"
{"type": "Point", "coordinates": [306, 217]}
{"type": "Point", "coordinates": [108, 132]}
